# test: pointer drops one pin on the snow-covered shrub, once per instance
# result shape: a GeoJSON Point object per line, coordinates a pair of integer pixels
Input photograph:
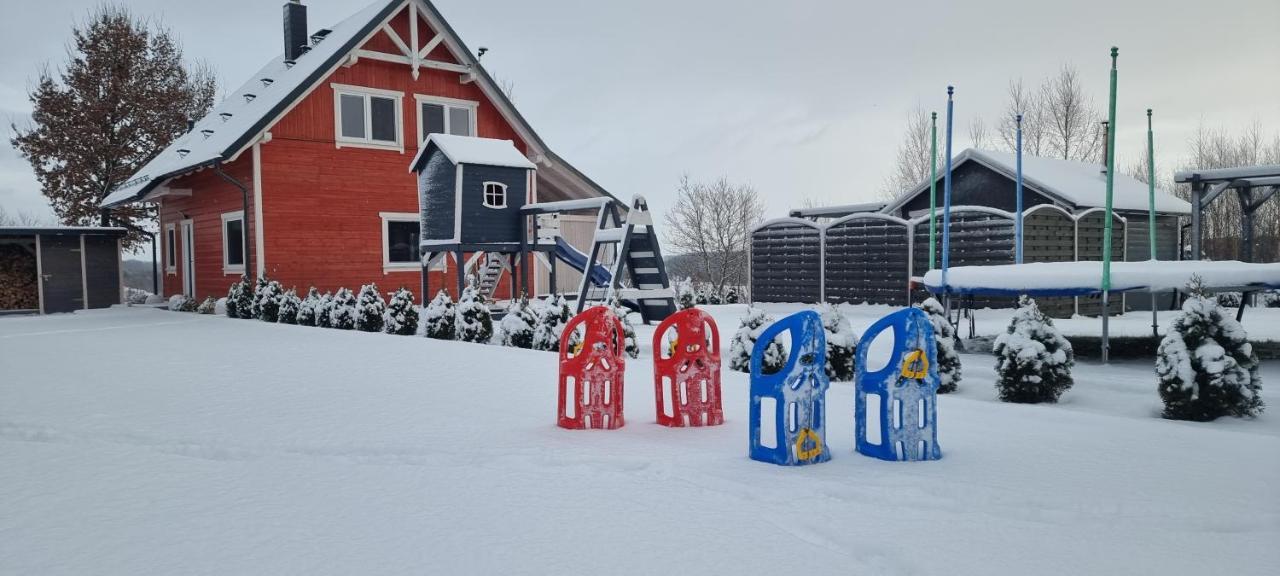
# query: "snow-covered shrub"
{"type": "Point", "coordinates": [220, 307]}
{"type": "Point", "coordinates": [401, 317]}
{"type": "Point", "coordinates": [517, 326]}
{"type": "Point", "coordinates": [369, 309]}
{"type": "Point", "coordinates": [308, 308]}
{"type": "Point", "coordinates": [288, 307]}
{"type": "Point", "coordinates": [244, 300]}
{"type": "Point", "coordinates": [177, 302]}
{"type": "Point", "coordinates": [266, 303]}
{"type": "Point", "coordinates": [136, 296]}
{"type": "Point", "coordinates": [1229, 299]}
{"type": "Point", "coordinates": [553, 314]}
{"type": "Point", "coordinates": [345, 310]}
{"type": "Point", "coordinates": [1033, 359]}
{"type": "Point", "coordinates": [744, 341]}
{"type": "Point", "coordinates": [472, 322]}
{"type": "Point", "coordinates": [713, 296]}
{"type": "Point", "coordinates": [945, 336]}
{"type": "Point", "coordinates": [1270, 299]}
{"type": "Point", "coordinates": [439, 317]}
{"type": "Point", "coordinates": [233, 298]}
{"type": "Point", "coordinates": [258, 286]}
{"type": "Point", "coordinates": [154, 299]}
{"type": "Point", "coordinates": [1205, 364]}
{"type": "Point", "coordinates": [632, 347]}
{"type": "Point", "coordinates": [731, 296]}
{"type": "Point", "coordinates": [686, 298]}
{"type": "Point", "coordinates": [324, 311]}
{"type": "Point", "coordinates": [701, 297]}
{"type": "Point", "coordinates": [842, 344]}
{"type": "Point", "coordinates": [208, 306]}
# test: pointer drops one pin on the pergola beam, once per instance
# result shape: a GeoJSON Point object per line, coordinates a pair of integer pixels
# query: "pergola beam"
{"type": "Point", "coordinates": [1215, 175]}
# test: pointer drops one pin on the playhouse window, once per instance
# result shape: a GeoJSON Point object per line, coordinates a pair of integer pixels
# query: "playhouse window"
{"type": "Point", "coordinates": [495, 195]}
{"type": "Point", "coordinates": [367, 117]}
{"type": "Point", "coordinates": [233, 242]}
{"type": "Point", "coordinates": [170, 249]}
{"type": "Point", "coordinates": [400, 235]}
{"type": "Point", "coordinates": [445, 116]}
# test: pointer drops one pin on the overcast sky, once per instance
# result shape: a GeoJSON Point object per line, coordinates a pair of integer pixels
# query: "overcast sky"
{"type": "Point", "coordinates": [802, 99]}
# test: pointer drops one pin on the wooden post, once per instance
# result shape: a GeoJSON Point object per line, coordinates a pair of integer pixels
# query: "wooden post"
{"type": "Point", "coordinates": [462, 269]}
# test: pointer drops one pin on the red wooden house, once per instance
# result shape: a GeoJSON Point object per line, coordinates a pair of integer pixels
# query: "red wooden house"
{"type": "Point", "coordinates": [301, 174]}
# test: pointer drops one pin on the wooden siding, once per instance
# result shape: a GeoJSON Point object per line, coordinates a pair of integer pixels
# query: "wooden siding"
{"type": "Point", "coordinates": [786, 261]}
{"type": "Point", "coordinates": [211, 197]}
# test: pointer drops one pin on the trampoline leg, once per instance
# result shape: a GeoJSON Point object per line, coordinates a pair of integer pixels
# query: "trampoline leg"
{"type": "Point", "coordinates": [1106, 343]}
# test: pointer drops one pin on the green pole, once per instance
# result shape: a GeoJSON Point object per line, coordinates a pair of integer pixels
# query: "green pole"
{"type": "Point", "coordinates": [1111, 175]}
{"type": "Point", "coordinates": [1151, 185]}
{"type": "Point", "coordinates": [933, 192]}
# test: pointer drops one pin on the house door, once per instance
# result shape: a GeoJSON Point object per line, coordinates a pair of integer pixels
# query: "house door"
{"type": "Point", "coordinates": [62, 274]}
{"type": "Point", "coordinates": [188, 259]}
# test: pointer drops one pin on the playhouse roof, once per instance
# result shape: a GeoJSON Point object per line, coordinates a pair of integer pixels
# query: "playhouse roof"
{"type": "Point", "coordinates": [1080, 185]}
{"type": "Point", "coordinates": [472, 150]}
{"type": "Point", "coordinates": [234, 124]}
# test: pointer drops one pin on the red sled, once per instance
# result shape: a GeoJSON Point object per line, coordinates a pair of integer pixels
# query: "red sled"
{"type": "Point", "coordinates": [686, 372]}
{"type": "Point", "coordinates": [594, 368]}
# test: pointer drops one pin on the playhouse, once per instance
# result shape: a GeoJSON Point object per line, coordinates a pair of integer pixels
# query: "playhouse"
{"type": "Point", "coordinates": [478, 196]}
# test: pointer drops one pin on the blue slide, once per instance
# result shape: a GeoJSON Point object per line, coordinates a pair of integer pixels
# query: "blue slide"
{"type": "Point", "coordinates": [575, 258]}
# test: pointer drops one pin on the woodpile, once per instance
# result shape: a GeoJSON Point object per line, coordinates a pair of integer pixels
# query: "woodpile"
{"type": "Point", "coordinates": [18, 288]}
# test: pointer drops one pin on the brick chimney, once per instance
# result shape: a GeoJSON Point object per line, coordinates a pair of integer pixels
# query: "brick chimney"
{"type": "Point", "coordinates": [295, 30]}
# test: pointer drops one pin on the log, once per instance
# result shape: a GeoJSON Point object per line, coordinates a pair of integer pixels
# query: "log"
{"type": "Point", "coordinates": [18, 288]}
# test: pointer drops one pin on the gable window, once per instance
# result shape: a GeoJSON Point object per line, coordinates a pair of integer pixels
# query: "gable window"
{"type": "Point", "coordinates": [495, 195]}
{"type": "Point", "coordinates": [233, 243]}
{"type": "Point", "coordinates": [400, 234]}
{"type": "Point", "coordinates": [438, 115]}
{"type": "Point", "coordinates": [170, 249]}
{"type": "Point", "coordinates": [367, 117]}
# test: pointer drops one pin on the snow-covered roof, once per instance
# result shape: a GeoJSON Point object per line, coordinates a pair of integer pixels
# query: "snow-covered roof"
{"type": "Point", "coordinates": [1078, 184]}
{"type": "Point", "coordinates": [1083, 278]}
{"type": "Point", "coordinates": [233, 124]}
{"type": "Point", "coordinates": [58, 230]}
{"type": "Point", "coordinates": [473, 150]}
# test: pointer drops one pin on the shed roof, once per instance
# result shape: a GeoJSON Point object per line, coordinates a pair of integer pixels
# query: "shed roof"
{"type": "Point", "coordinates": [62, 231]}
{"type": "Point", "coordinates": [472, 150]}
{"type": "Point", "coordinates": [1080, 185]}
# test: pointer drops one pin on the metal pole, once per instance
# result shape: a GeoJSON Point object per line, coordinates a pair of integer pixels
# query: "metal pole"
{"type": "Point", "coordinates": [1017, 233]}
{"type": "Point", "coordinates": [1197, 192]}
{"type": "Point", "coordinates": [1106, 230]}
{"type": "Point", "coordinates": [1151, 213]}
{"type": "Point", "coordinates": [946, 204]}
{"type": "Point", "coordinates": [155, 268]}
{"type": "Point", "coordinates": [933, 191]}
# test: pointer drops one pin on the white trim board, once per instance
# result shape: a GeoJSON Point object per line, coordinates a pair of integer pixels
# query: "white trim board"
{"type": "Point", "coordinates": [228, 268]}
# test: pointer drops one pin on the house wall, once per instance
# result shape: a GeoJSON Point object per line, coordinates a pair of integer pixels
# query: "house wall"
{"type": "Point", "coordinates": [211, 197]}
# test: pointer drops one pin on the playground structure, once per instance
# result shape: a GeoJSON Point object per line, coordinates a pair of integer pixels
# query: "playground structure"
{"type": "Point", "coordinates": [686, 371]}
{"type": "Point", "coordinates": [906, 389]}
{"type": "Point", "coordinates": [797, 393]}
{"type": "Point", "coordinates": [478, 196]}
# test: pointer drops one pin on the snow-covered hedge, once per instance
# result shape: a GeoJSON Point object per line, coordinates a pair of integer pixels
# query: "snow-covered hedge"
{"type": "Point", "coordinates": [842, 343]}
{"type": "Point", "coordinates": [553, 315]}
{"type": "Point", "coordinates": [324, 311]}
{"type": "Point", "coordinates": [177, 302]}
{"type": "Point", "coordinates": [1205, 364]}
{"type": "Point", "coordinates": [631, 346]}
{"type": "Point", "coordinates": [944, 334]}
{"type": "Point", "coordinates": [401, 317]}
{"type": "Point", "coordinates": [342, 313]}
{"type": "Point", "coordinates": [472, 322]}
{"type": "Point", "coordinates": [208, 306]}
{"type": "Point", "coordinates": [266, 300]}
{"type": "Point", "coordinates": [289, 304]}
{"type": "Point", "coordinates": [439, 318]}
{"type": "Point", "coordinates": [136, 296]}
{"type": "Point", "coordinates": [1033, 359]}
{"type": "Point", "coordinates": [744, 341]}
{"type": "Point", "coordinates": [308, 309]}
{"type": "Point", "coordinates": [369, 309]}
{"type": "Point", "coordinates": [517, 326]}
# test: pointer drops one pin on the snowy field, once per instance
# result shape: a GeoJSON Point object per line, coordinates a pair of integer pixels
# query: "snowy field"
{"type": "Point", "coordinates": [139, 441]}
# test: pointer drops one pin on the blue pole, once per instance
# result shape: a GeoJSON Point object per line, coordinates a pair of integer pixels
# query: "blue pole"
{"type": "Point", "coordinates": [1017, 233]}
{"type": "Point", "coordinates": [946, 198]}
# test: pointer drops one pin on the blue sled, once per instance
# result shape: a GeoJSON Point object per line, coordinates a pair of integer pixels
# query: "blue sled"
{"type": "Point", "coordinates": [799, 393]}
{"type": "Point", "coordinates": [907, 387]}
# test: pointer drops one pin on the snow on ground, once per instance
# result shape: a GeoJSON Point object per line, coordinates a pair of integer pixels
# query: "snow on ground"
{"type": "Point", "coordinates": [143, 441]}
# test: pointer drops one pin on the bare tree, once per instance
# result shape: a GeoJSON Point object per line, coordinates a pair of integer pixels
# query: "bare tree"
{"type": "Point", "coordinates": [914, 155]}
{"type": "Point", "coordinates": [1030, 105]}
{"type": "Point", "coordinates": [20, 218]}
{"type": "Point", "coordinates": [978, 135]}
{"type": "Point", "coordinates": [1216, 148]}
{"type": "Point", "coordinates": [1072, 123]}
{"type": "Point", "coordinates": [712, 223]}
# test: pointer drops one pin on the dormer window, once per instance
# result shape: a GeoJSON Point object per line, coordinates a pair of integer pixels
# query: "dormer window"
{"type": "Point", "coordinates": [367, 117]}
{"type": "Point", "coordinates": [495, 195]}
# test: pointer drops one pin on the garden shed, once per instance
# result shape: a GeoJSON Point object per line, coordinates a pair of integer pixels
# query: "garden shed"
{"type": "Point", "coordinates": [59, 269]}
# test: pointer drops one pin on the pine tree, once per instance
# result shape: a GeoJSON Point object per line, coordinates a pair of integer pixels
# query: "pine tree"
{"type": "Point", "coordinates": [842, 344]}
{"type": "Point", "coordinates": [244, 301]}
{"type": "Point", "coordinates": [472, 322]}
{"type": "Point", "coordinates": [289, 304]}
{"type": "Point", "coordinates": [552, 317]}
{"type": "Point", "coordinates": [307, 309]}
{"type": "Point", "coordinates": [369, 309]}
{"type": "Point", "coordinates": [632, 347]}
{"type": "Point", "coordinates": [744, 341]}
{"type": "Point", "coordinates": [701, 298]}
{"type": "Point", "coordinates": [233, 298]}
{"type": "Point", "coordinates": [944, 334]}
{"type": "Point", "coordinates": [1033, 359]}
{"type": "Point", "coordinates": [122, 97]}
{"type": "Point", "coordinates": [324, 311]}
{"type": "Point", "coordinates": [402, 314]}
{"type": "Point", "coordinates": [266, 302]}
{"type": "Point", "coordinates": [731, 296]}
{"type": "Point", "coordinates": [439, 317]}
{"type": "Point", "coordinates": [345, 310]}
{"type": "Point", "coordinates": [686, 298]}
{"type": "Point", "coordinates": [1205, 365]}
{"type": "Point", "coordinates": [516, 328]}
{"type": "Point", "coordinates": [713, 297]}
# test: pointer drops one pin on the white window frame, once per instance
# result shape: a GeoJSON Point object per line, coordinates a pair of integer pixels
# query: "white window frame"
{"type": "Point", "coordinates": [387, 264]}
{"type": "Point", "coordinates": [420, 99]}
{"type": "Point", "coordinates": [171, 249]}
{"type": "Point", "coordinates": [228, 268]}
{"type": "Point", "coordinates": [484, 195]}
{"type": "Point", "coordinates": [341, 141]}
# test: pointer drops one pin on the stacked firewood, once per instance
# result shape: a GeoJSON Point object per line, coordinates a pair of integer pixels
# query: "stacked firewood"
{"type": "Point", "coordinates": [18, 288]}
